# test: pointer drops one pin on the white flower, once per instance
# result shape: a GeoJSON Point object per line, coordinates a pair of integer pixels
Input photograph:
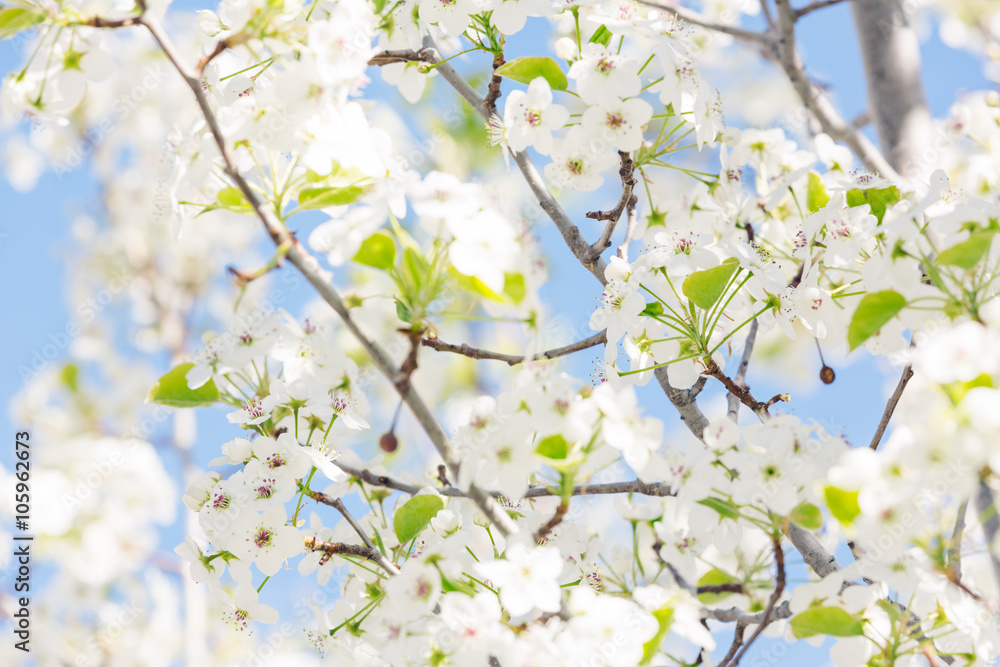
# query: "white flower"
{"type": "Point", "coordinates": [577, 162]}
{"type": "Point", "coordinates": [618, 122]}
{"type": "Point", "coordinates": [527, 578]}
{"type": "Point", "coordinates": [511, 15]}
{"type": "Point", "coordinates": [266, 540]}
{"type": "Point", "coordinates": [283, 457]}
{"type": "Point", "coordinates": [532, 117]}
{"type": "Point", "coordinates": [243, 607]}
{"type": "Point", "coordinates": [414, 591]}
{"type": "Point", "coordinates": [452, 16]}
{"type": "Point", "coordinates": [602, 74]}
{"type": "Point", "coordinates": [254, 411]}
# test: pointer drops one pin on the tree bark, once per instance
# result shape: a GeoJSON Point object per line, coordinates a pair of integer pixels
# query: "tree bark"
{"type": "Point", "coordinates": [891, 56]}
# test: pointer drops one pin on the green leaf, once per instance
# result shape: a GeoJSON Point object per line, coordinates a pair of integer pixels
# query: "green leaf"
{"type": "Point", "coordinates": [652, 309]}
{"type": "Point", "coordinates": [807, 515]}
{"type": "Point", "coordinates": [172, 390]}
{"type": "Point", "coordinates": [70, 377]}
{"type": "Point", "coordinates": [843, 504]}
{"type": "Point", "coordinates": [414, 516]}
{"type": "Point", "coordinates": [313, 198]}
{"type": "Point", "coordinates": [705, 288]}
{"type": "Point", "coordinates": [826, 621]}
{"type": "Point", "coordinates": [403, 312]}
{"type": "Point", "coordinates": [714, 577]}
{"type": "Point", "coordinates": [528, 68]}
{"type": "Point", "coordinates": [231, 199]}
{"type": "Point", "coordinates": [601, 36]}
{"type": "Point", "coordinates": [664, 619]}
{"type": "Point", "coordinates": [967, 254]}
{"type": "Point", "coordinates": [378, 251]}
{"type": "Point", "coordinates": [878, 198]}
{"type": "Point", "coordinates": [816, 196]}
{"type": "Point", "coordinates": [726, 509]}
{"type": "Point", "coordinates": [553, 447]}
{"type": "Point", "coordinates": [15, 19]}
{"type": "Point", "coordinates": [513, 287]}
{"type": "Point", "coordinates": [873, 312]}
{"type": "Point", "coordinates": [474, 285]}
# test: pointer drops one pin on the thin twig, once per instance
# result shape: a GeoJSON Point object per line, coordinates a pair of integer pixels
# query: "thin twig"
{"type": "Point", "coordinates": [741, 373]}
{"type": "Point", "coordinates": [464, 349]}
{"type": "Point", "coordinates": [779, 588]}
{"type": "Point", "coordinates": [695, 18]}
{"type": "Point", "coordinates": [606, 488]}
{"type": "Point", "coordinates": [400, 56]}
{"type": "Point", "coordinates": [493, 94]}
{"type": "Point", "coordinates": [383, 562]}
{"type": "Point", "coordinates": [633, 222]}
{"type": "Point", "coordinates": [890, 407]}
{"type": "Point", "coordinates": [626, 172]}
{"type": "Point", "coordinates": [339, 548]}
{"type": "Point", "coordinates": [553, 521]}
{"type": "Point", "coordinates": [759, 408]}
{"type": "Point", "coordinates": [955, 546]}
{"type": "Point", "coordinates": [817, 4]}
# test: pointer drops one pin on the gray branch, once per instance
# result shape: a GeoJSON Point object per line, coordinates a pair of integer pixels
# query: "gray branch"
{"type": "Point", "coordinates": [891, 55]}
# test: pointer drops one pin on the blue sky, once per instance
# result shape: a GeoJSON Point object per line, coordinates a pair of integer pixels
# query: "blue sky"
{"type": "Point", "coordinates": [35, 245]}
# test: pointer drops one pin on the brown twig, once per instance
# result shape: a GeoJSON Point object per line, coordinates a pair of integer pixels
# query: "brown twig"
{"type": "Point", "coordinates": [626, 172]}
{"type": "Point", "coordinates": [339, 548]}
{"type": "Point", "coordinates": [400, 56]}
{"type": "Point", "coordinates": [722, 588]}
{"type": "Point", "coordinates": [493, 94]}
{"type": "Point", "coordinates": [554, 521]}
{"type": "Point", "coordinates": [759, 408]}
{"type": "Point", "coordinates": [99, 22]}
{"type": "Point", "coordinates": [890, 407]}
{"type": "Point", "coordinates": [599, 338]}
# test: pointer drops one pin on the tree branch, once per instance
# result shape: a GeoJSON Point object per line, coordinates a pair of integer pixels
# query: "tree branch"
{"type": "Point", "coordinates": [695, 18]}
{"type": "Point", "coordinates": [813, 6]}
{"type": "Point", "coordinates": [384, 562]}
{"type": "Point", "coordinates": [310, 269]}
{"type": "Point", "coordinates": [490, 103]}
{"type": "Point", "coordinates": [599, 338]}
{"type": "Point", "coordinates": [339, 548]}
{"type": "Point", "coordinates": [606, 488]}
{"type": "Point", "coordinates": [626, 172]}
{"type": "Point", "coordinates": [633, 221]}
{"type": "Point", "coordinates": [399, 56]}
{"type": "Point", "coordinates": [890, 407]}
{"type": "Point", "coordinates": [570, 232]}
{"type": "Point", "coordinates": [741, 373]}
{"type": "Point", "coordinates": [759, 408]}
{"type": "Point", "coordinates": [786, 54]}
{"type": "Point", "coordinates": [891, 55]}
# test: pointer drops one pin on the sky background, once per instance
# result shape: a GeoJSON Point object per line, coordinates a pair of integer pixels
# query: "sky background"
{"type": "Point", "coordinates": [35, 244]}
